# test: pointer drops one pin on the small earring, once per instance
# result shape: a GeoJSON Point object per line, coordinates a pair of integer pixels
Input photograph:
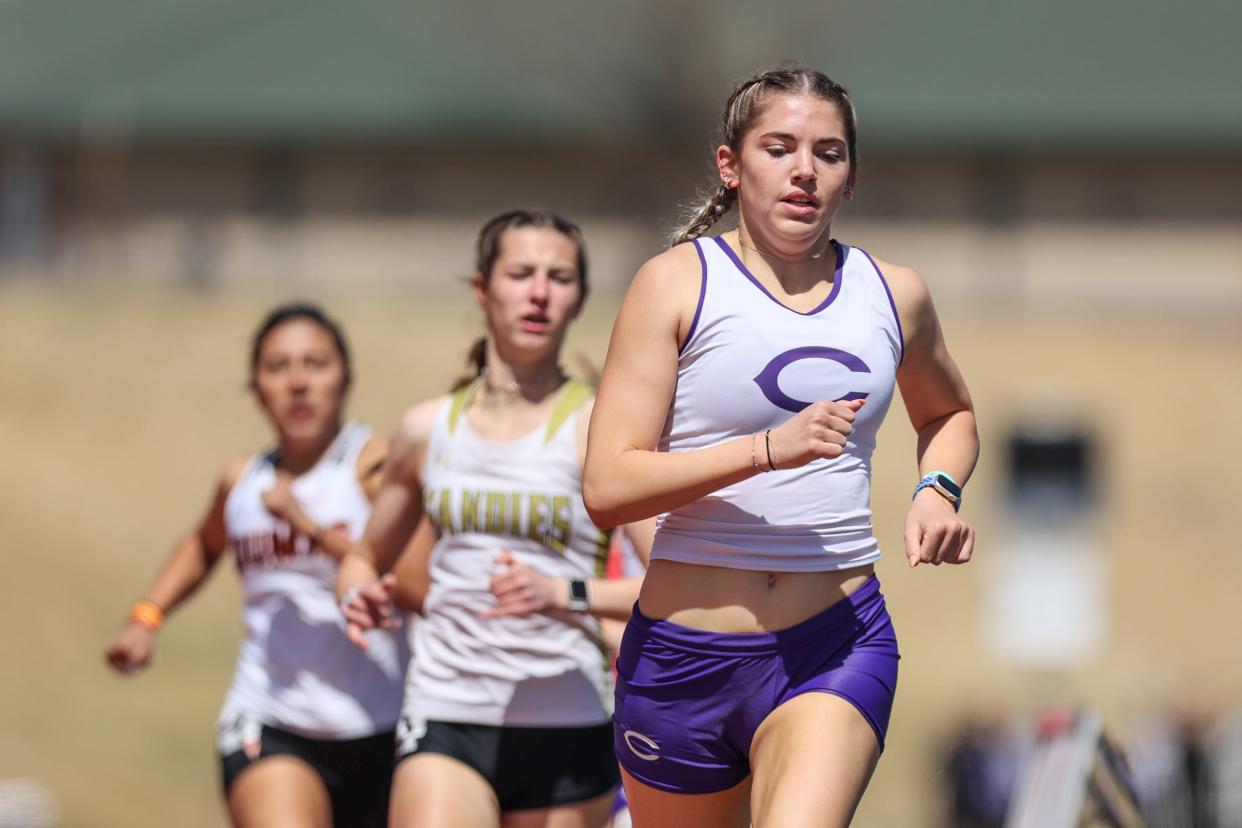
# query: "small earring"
{"type": "Point", "coordinates": [849, 194]}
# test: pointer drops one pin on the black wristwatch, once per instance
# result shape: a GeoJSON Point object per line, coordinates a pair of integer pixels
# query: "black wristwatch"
{"type": "Point", "coordinates": [579, 595]}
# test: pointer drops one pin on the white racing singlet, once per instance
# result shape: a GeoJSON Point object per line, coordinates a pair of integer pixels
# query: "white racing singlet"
{"type": "Point", "coordinates": [296, 670]}
{"type": "Point", "coordinates": [749, 364]}
{"type": "Point", "coordinates": [546, 669]}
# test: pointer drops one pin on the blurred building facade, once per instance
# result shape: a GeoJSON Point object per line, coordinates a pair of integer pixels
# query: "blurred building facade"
{"type": "Point", "coordinates": [1051, 157]}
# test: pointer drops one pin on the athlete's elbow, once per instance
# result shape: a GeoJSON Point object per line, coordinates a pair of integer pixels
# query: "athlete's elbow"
{"type": "Point", "coordinates": [601, 515]}
{"type": "Point", "coordinates": [602, 504]}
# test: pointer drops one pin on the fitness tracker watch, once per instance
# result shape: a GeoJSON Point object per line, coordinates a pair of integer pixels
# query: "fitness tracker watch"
{"type": "Point", "coordinates": [579, 595]}
{"type": "Point", "coordinates": [944, 484]}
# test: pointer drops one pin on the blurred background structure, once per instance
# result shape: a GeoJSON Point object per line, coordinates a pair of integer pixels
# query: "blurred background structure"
{"type": "Point", "coordinates": [1065, 175]}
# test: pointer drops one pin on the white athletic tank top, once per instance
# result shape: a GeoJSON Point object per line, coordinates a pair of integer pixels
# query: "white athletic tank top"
{"type": "Point", "coordinates": [749, 364]}
{"type": "Point", "coordinates": [296, 669]}
{"type": "Point", "coordinates": [546, 669]}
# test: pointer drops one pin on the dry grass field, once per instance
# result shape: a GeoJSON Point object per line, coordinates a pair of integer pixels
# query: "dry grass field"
{"type": "Point", "coordinates": [117, 410]}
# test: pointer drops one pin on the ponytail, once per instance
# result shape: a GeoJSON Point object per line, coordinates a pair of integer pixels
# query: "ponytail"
{"type": "Point", "coordinates": [699, 220]}
{"type": "Point", "coordinates": [476, 358]}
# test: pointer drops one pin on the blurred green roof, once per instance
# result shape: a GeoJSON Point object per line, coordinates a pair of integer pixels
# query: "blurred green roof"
{"type": "Point", "coordinates": [967, 75]}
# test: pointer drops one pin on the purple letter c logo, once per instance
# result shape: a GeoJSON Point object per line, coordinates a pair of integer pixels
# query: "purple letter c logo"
{"type": "Point", "coordinates": [769, 378]}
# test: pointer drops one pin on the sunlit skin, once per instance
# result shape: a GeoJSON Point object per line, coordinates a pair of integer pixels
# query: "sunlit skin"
{"type": "Point", "coordinates": [299, 380]}
{"type": "Point", "coordinates": [531, 295]}
{"type": "Point", "coordinates": [791, 171]}
{"type": "Point", "coordinates": [811, 757]}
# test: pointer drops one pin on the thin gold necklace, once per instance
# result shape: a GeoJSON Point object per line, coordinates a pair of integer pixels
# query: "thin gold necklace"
{"type": "Point", "coordinates": [812, 257]}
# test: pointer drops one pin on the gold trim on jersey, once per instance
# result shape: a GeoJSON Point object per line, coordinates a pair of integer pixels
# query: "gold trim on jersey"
{"type": "Point", "coordinates": [572, 395]}
{"type": "Point", "coordinates": [575, 393]}
{"type": "Point", "coordinates": [460, 399]}
{"type": "Point", "coordinates": [603, 542]}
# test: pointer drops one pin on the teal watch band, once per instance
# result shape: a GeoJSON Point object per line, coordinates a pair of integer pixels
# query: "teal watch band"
{"type": "Point", "coordinates": [944, 484]}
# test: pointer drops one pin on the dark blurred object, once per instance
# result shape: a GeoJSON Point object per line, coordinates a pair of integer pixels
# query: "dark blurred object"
{"type": "Point", "coordinates": [981, 761]}
{"type": "Point", "coordinates": [1051, 469]}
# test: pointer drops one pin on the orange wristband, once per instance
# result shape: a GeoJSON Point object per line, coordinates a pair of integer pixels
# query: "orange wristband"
{"type": "Point", "coordinates": [148, 614]}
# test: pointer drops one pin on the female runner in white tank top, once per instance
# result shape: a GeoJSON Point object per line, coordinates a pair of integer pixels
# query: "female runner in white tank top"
{"type": "Point", "coordinates": [506, 718]}
{"type": "Point", "coordinates": [306, 733]}
{"type": "Point", "coordinates": [743, 388]}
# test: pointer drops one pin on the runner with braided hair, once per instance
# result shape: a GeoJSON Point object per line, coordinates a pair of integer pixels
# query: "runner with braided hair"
{"type": "Point", "coordinates": [746, 381]}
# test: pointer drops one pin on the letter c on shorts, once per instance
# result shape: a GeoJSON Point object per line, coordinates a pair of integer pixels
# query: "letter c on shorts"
{"type": "Point", "coordinates": [650, 744]}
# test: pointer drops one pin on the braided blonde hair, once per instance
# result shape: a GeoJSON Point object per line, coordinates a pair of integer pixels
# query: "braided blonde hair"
{"type": "Point", "coordinates": [741, 110]}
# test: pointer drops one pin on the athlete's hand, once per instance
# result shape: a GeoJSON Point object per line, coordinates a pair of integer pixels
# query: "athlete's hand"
{"type": "Point", "coordinates": [520, 590]}
{"type": "Point", "coordinates": [132, 649]}
{"type": "Point", "coordinates": [819, 430]}
{"type": "Point", "coordinates": [370, 608]}
{"type": "Point", "coordinates": [934, 532]}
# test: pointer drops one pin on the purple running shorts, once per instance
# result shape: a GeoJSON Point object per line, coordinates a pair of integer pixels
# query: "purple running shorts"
{"type": "Point", "coordinates": [689, 701]}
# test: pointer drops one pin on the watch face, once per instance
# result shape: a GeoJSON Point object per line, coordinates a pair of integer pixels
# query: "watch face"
{"type": "Point", "coordinates": [577, 590]}
{"type": "Point", "coordinates": [948, 485]}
